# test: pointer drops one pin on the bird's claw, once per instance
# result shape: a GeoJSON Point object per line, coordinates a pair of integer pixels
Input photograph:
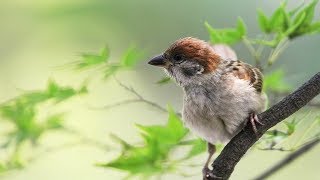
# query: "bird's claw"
{"type": "Point", "coordinates": [253, 120]}
{"type": "Point", "coordinates": [206, 173]}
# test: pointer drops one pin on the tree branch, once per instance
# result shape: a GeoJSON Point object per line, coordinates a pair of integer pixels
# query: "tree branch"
{"type": "Point", "coordinates": [225, 163]}
{"type": "Point", "coordinates": [291, 157]}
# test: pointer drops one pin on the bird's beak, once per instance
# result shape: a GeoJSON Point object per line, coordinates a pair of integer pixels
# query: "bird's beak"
{"type": "Point", "coordinates": [160, 61]}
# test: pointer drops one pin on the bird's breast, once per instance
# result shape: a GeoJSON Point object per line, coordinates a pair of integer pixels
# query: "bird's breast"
{"type": "Point", "coordinates": [201, 116]}
{"type": "Point", "coordinates": [217, 114]}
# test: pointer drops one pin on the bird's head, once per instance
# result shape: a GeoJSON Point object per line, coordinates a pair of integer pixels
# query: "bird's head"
{"type": "Point", "coordinates": [188, 60]}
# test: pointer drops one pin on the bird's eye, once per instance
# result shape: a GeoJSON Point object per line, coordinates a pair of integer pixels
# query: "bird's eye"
{"type": "Point", "coordinates": [178, 58]}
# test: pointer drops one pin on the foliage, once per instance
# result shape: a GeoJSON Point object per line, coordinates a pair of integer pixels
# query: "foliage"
{"type": "Point", "coordinates": [288, 24]}
{"type": "Point", "coordinates": [282, 26]}
{"type": "Point", "coordinates": [227, 36]}
{"type": "Point", "coordinates": [101, 61]}
{"type": "Point", "coordinates": [275, 82]}
{"type": "Point", "coordinates": [292, 131]}
{"type": "Point", "coordinates": [155, 154]}
{"type": "Point", "coordinates": [153, 157]}
{"type": "Point", "coordinates": [164, 80]}
{"type": "Point", "coordinates": [22, 112]}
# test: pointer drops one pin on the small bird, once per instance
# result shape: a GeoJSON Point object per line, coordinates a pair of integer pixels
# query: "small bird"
{"type": "Point", "coordinates": [220, 94]}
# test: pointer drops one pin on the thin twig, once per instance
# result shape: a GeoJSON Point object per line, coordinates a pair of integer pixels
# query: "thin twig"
{"type": "Point", "coordinates": [255, 53]}
{"type": "Point", "coordinates": [142, 99]}
{"type": "Point", "coordinates": [155, 105]}
{"type": "Point", "coordinates": [53, 149]}
{"type": "Point", "coordinates": [282, 45]}
{"type": "Point", "coordinates": [124, 102]}
{"type": "Point", "coordinates": [83, 140]}
{"type": "Point", "coordinates": [130, 89]}
{"type": "Point", "coordinates": [249, 46]}
{"type": "Point", "coordinates": [87, 140]}
{"type": "Point", "coordinates": [290, 158]}
{"type": "Point", "coordinates": [139, 98]}
{"type": "Point", "coordinates": [274, 149]}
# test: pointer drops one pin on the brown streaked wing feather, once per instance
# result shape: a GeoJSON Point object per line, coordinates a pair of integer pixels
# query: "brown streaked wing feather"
{"type": "Point", "coordinates": [246, 72]}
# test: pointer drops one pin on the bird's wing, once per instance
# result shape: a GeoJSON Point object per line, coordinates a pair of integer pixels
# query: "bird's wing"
{"type": "Point", "coordinates": [246, 72]}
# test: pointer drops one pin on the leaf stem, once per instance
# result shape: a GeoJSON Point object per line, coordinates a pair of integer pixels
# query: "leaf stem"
{"type": "Point", "coordinates": [274, 54]}
{"type": "Point", "coordinates": [255, 53]}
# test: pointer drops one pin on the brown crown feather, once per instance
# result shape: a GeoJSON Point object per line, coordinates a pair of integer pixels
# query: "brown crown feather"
{"type": "Point", "coordinates": [196, 50]}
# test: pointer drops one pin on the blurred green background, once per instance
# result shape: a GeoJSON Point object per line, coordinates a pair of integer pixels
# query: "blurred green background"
{"type": "Point", "coordinates": [36, 37]}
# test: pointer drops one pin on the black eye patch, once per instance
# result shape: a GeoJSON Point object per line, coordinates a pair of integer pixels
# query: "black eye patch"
{"type": "Point", "coordinates": [178, 58]}
{"type": "Point", "coordinates": [190, 71]}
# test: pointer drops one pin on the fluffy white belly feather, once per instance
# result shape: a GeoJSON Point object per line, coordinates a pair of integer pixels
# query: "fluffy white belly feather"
{"type": "Point", "coordinates": [217, 114]}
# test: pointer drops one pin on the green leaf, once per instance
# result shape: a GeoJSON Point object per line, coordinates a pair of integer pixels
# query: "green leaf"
{"type": "Point", "coordinates": [168, 135]}
{"type": "Point", "coordinates": [131, 57]}
{"type": "Point", "coordinates": [125, 145]}
{"type": "Point", "coordinates": [263, 22]}
{"type": "Point", "coordinates": [15, 162]}
{"type": "Point", "coordinates": [309, 11]}
{"type": "Point", "coordinates": [55, 121]}
{"type": "Point", "coordinates": [241, 27]}
{"type": "Point", "coordinates": [275, 82]}
{"type": "Point", "coordinates": [22, 116]}
{"type": "Point", "coordinates": [215, 37]}
{"type": "Point", "coordinates": [308, 14]}
{"type": "Point", "coordinates": [105, 54]}
{"type": "Point", "coordinates": [291, 126]}
{"type": "Point", "coordinates": [276, 19]}
{"type": "Point", "coordinates": [18, 112]}
{"type": "Point", "coordinates": [90, 60]}
{"type": "Point", "coordinates": [111, 70]}
{"type": "Point", "coordinates": [60, 93]}
{"type": "Point", "coordinates": [3, 167]}
{"type": "Point", "coordinates": [83, 89]}
{"type": "Point", "coordinates": [276, 133]}
{"type": "Point", "coordinates": [164, 80]}
{"type": "Point", "coordinates": [291, 32]}
{"type": "Point", "coordinates": [228, 35]}
{"type": "Point", "coordinates": [295, 10]}
{"type": "Point", "coordinates": [314, 28]}
{"type": "Point", "coordinates": [22, 112]}
{"type": "Point", "coordinates": [148, 159]}
{"type": "Point", "coordinates": [199, 146]}
{"type": "Point", "coordinates": [286, 19]}
{"type": "Point", "coordinates": [175, 124]}
{"type": "Point", "coordinates": [280, 20]}
{"type": "Point", "coordinates": [137, 160]}
{"type": "Point", "coordinates": [52, 87]}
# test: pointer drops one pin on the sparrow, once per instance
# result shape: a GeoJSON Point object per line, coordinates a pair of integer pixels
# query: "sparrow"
{"type": "Point", "coordinates": [220, 94]}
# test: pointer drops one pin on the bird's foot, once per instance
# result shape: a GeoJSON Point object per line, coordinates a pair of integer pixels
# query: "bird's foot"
{"type": "Point", "coordinates": [253, 120]}
{"type": "Point", "coordinates": [206, 173]}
